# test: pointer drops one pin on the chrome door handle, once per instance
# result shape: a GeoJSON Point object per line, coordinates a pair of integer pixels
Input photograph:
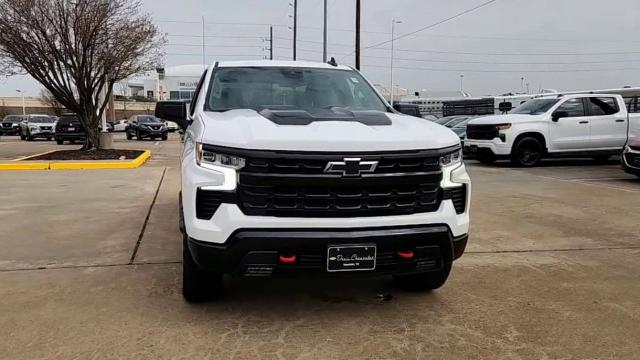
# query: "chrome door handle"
{"type": "Point", "coordinates": [583, 122]}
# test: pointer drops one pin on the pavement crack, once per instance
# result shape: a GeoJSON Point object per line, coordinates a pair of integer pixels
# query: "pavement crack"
{"type": "Point", "coordinates": [146, 219]}
{"type": "Point", "coordinates": [90, 266]}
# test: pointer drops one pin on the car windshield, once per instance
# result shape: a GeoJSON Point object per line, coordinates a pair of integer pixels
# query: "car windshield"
{"type": "Point", "coordinates": [12, 119]}
{"type": "Point", "coordinates": [42, 119]}
{"type": "Point", "coordinates": [535, 106]}
{"type": "Point", "coordinates": [462, 124]}
{"type": "Point", "coordinates": [455, 122]}
{"type": "Point", "coordinates": [306, 89]}
{"type": "Point", "coordinates": [147, 120]}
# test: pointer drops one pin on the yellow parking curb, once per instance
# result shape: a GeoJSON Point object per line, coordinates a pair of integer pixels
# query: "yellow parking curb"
{"type": "Point", "coordinates": [76, 165]}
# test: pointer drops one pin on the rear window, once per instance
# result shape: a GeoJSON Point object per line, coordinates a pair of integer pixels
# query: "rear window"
{"type": "Point", "coordinates": [68, 120]}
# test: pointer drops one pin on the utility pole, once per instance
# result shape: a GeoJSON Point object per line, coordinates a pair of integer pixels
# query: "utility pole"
{"type": "Point", "coordinates": [204, 61]}
{"type": "Point", "coordinates": [357, 34]}
{"type": "Point", "coordinates": [24, 110]}
{"type": "Point", "coordinates": [295, 29]}
{"type": "Point", "coordinates": [324, 38]}
{"type": "Point", "coordinates": [393, 27]}
{"type": "Point", "coordinates": [270, 42]}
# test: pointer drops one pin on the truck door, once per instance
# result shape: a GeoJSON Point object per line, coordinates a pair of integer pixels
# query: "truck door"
{"type": "Point", "coordinates": [571, 131]}
{"type": "Point", "coordinates": [608, 122]}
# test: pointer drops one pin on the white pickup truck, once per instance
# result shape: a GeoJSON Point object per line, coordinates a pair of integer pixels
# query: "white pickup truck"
{"type": "Point", "coordinates": [299, 167]}
{"type": "Point", "coordinates": [582, 125]}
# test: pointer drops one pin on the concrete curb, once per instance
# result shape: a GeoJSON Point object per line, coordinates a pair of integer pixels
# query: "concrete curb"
{"type": "Point", "coordinates": [75, 165]}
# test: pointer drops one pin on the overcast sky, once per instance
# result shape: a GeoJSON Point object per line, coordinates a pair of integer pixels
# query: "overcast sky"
{"type": "Point", "coordinates": [559, 44]}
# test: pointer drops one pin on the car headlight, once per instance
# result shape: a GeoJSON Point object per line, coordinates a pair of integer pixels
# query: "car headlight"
{"type": "Point", "coordinates": [206, 157]}
{"type": "Point", "coordinates": [451, 159]}
{"type": "Point", "coordinates": [506, 126]}
{"type": "Point", "coordinates": [34, 127]}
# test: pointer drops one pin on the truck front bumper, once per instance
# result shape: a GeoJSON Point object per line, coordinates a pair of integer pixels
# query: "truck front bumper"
{"type": "Point", "coordinates": [631, 161]}
{"type": "Point", "coordinates": [256, 252]}
{"type": "Point", "coordinates": [493, 147]}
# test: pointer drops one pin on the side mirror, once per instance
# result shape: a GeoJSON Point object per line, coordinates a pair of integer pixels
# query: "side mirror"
{"type": "Point", "coordinates": [559, 115]}
{"type": "Point", "coordinates": [175, 111]}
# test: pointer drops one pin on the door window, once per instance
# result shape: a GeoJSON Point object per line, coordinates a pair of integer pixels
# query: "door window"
{"type": "Point", "coordinates": [573, 107]}
{"type": "Point", "coordinates": [599, 106]}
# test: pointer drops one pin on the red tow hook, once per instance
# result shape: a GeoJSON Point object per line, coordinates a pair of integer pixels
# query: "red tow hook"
{"type": "Point", "coordinates": [287, 259]}
{"type": "Point", "coordinates": [405, 254]}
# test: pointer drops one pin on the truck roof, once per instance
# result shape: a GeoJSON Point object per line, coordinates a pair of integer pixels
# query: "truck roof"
{"type": "Point", "coordinates": [571, 96]}
{"type": "Point", "coordinates": [279, 63]}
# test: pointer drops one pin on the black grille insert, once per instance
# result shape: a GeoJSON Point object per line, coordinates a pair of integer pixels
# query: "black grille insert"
{"type": "Point", "coordinates": [459, 197]}
{"type": "Point", "coordinates": [295, 185]}
{"type": "Point", "coordinates": [207, 202]}
{"type": "Point", "coordinates": [482, 132]}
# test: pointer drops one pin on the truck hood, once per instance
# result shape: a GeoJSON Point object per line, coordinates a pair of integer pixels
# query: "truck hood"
{"type": "Point", "coordinates": [509, 118]}
{"type": "Point", "coordinates": [247, 129]}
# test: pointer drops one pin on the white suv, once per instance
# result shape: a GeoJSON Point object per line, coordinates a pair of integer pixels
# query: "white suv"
{"type": "Point", "coordinates": [299, 167]}
{"type": "Point", "coordinates": [592, 125]}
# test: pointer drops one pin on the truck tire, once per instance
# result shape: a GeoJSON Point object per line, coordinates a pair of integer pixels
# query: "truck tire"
{"type": "Point", "coordinates": [128, 134]}
{"type": "Point", "coordinates": [60, 141]}
{"type": "Point", "coordinates": [527, 152]}
{"type": "Point", "coordinates": [165, 137]}
{"type": "Point", "coordinates": [198, 286]}
{"type": "Point", "coordinates": [138, 135]}
{"type": "Point", "coordinates": [29, 137]}
{"type": "Point", "coordinates": [424, 281]}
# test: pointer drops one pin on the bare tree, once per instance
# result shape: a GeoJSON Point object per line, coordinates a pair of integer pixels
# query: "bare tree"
{"type": "Point", "coordinates": [50, 101]}
{"type": "Point", "coordinates": [77, 49]}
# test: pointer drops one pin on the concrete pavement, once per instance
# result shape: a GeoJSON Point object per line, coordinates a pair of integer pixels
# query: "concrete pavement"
{"type": "Point", "coordinates": [551, 272]}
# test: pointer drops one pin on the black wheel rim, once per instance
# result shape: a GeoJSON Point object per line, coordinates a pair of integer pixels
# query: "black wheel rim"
{"type": "Point", "coordinates": [529, 152]}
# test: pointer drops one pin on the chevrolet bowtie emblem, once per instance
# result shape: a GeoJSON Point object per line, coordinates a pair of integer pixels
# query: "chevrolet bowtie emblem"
{"type": "Point", "coordinates": [351, 167]}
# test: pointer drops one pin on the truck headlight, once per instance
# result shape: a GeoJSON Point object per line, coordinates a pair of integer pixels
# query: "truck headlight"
{"type": "Point", "coordinates": [506, 126]}
{"type": "Point", "coordinates": [206, 157]}
{"type": "Point", "coordinates": [451, 159]}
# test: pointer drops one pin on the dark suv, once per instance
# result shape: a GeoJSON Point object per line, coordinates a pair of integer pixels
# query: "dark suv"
{"type": "Point", "coordinates": [11, 125]}
{"type": "Point", "coordinates": [69, 128]}
{"type": "Point", "coordinates": [146, 126]}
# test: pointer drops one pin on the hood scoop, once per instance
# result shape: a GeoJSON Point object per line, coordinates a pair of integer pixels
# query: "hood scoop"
{"type": "Point", "coordinates": [302, 117]}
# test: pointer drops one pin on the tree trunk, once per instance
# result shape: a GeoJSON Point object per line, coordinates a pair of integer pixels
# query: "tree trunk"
{"type": "Point", "coordinates": [93, 139]}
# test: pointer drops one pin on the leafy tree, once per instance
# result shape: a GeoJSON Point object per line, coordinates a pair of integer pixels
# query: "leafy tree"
{"type": "Point", "coordinates": [77, 49]}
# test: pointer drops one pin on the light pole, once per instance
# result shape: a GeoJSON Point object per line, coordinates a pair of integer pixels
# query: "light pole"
{"type": "Point", "coordinates": [522, 84]}
{"type": "Point", "coordinates": [324, 35]}
{"type": "Point", "coordinates": [24, 111]}
{"type": "Point", "coordinates": [393, 28]}
{"type": "Point", "coordinates": [462, 84]}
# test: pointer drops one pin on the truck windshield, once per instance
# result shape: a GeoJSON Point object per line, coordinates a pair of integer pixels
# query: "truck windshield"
{"type": "Point", "coordinates": [275, 88]}
{"type": "Point", "coordinates": [535, 106]}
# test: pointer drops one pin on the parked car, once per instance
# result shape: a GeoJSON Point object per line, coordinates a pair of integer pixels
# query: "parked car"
{"type": "Point", "coordinates": [318, 174]}
{"type": "Point", "coordinates": [146, 126]}
{"type": "Point", "coordinates": [447, 119]}
{"type": "Point", "coordinates": [69, 128]}
{"type": "Point", "coordinates": [582, 125]}
{"type": "Point", "coordinates": [172, 126]}
{"type": "Point", "coordinates": [37, 126]}
{"type": "Point", "coordinates": [430, 117]}
{"type": "Point", "coordinates": [11, 125]}
{"type": "Point", "coordinates": [120, 125]}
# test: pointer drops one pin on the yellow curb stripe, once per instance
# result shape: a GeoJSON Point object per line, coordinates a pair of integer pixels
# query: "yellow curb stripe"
{"type": "Point", "coordinates": [86, 165]}
{"type": "Point", "coordinates": [24, 166]}
{"type": "Point", "coordinates": [35, 155]}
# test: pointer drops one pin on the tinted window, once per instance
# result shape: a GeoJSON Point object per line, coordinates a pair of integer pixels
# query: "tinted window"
{"type": "Point", "coordinates": [290, 89]}
{"type": "Point", "coordinates": [147, 119]}
{"type": "Point", "coordinates": [535, 106]}
{"type": "Point", "coordinates": [573, 107]}
{"type": "Point", "coordinates": [602, 106]}
{"type": "Point", "coordinates": [68, 120]}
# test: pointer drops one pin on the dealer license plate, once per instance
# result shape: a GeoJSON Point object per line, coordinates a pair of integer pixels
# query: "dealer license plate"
{"type": "Point", "coordinates": [351, 258]}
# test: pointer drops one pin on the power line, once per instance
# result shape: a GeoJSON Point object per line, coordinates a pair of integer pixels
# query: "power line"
{"type": "Point", "coordinates": [434, 24]}
{"type": "Point", "coordinates": [216, 36]}
{"type": "Point", "coordinates": [506, 62]}
{"type": "Point", "coordinates": [219, 46]}
{"type": "Point", "coordinates": [506, 71]}
{"type": "Point", "coordinates": [512, 53]}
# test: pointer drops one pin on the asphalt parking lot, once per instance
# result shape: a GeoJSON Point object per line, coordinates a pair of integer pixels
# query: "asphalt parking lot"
{"type": "Point", "coordinates": [90, 269]}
